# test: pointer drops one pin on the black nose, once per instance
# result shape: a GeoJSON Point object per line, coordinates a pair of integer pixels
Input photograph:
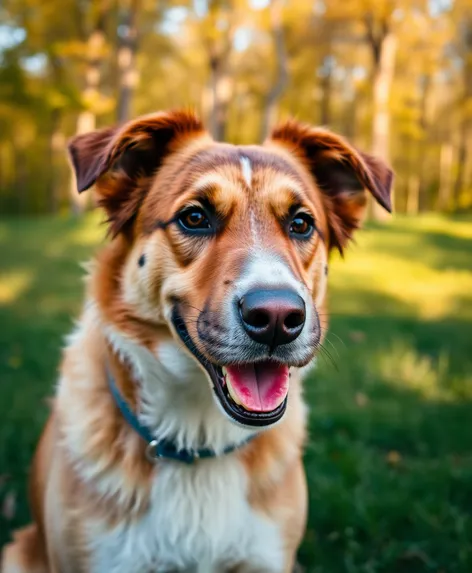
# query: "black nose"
{"type": "Point", "coordinates": [273, 317]}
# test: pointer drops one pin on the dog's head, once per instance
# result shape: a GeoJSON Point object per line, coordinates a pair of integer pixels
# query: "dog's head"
{"type": "Point", "coordinates": [226, 245]}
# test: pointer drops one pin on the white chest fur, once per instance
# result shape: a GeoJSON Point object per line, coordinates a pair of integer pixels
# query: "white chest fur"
{"type": "Point", "coordinates": [199, 520]}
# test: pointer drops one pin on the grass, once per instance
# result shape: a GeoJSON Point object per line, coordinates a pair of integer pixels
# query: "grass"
{"type": "Point", "coordinates": [389, 461]}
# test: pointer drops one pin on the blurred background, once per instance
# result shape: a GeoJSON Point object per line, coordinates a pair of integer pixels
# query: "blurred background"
{"type": "Point", "coordinates": [395, 76]}
{"type": "Point", "coordinates": [389, 459]}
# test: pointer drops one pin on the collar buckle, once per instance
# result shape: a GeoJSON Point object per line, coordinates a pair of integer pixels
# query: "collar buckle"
{"type": "Point", "coordinates": [156, 450]}
{"type": "Point", "coordinates": [152, 452]}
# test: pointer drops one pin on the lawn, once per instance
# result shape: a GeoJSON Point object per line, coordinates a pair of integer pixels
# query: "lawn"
{"type": "Point", "coordinates": [389, 460]}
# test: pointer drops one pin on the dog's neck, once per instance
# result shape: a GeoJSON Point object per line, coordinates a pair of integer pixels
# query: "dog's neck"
{"type": "Point", "coordinates": [171, 396]}
{"type": "Point", "coordinates": [174, 398]}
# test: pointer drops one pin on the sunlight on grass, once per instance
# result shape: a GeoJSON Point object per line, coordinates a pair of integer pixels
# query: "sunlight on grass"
{"type": "Point", "coordinates": [427, 283]}
{"type": "Point", "coordinates": [403, 366]}
{"type": "Point", "coordinates": [429, 293]}
{"type": "Point", "coordinates": [388, 459]}
{"type": "Point", "coordinates": [436, 223]}
{"type": "Point", "coordinates": [13, 285]}
{"type": "Point", "coordinates": [91, 233]}
{"type": "Point", "coordinates": [3, 232]}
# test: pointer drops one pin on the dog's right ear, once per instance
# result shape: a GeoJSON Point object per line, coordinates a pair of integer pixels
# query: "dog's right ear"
{"type": "Point", "coordinates": [122, 160]}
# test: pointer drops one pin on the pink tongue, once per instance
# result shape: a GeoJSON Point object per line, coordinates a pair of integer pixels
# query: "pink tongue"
{"type": "Point", "coordinates": [259, 387]}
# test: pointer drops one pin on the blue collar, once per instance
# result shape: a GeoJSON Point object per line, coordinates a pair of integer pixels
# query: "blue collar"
{"type": "Point", "coordinates": [157, 449]}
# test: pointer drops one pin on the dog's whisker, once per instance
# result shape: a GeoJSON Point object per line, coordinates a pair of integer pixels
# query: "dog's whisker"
{"type": "Point", "coordinates": [194, 307]}
{"type": "Point", "coordinates": [332, 346]}
{"type": "Point", "coordinates": [327, 355]}
{"type": "Point", "coordinates": [338, 337]}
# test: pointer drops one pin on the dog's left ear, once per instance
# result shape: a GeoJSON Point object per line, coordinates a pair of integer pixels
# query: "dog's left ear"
{"type": "Point", "coordinates": [341, 173]}
{"type": "Point", "coordinates": [121, 161]}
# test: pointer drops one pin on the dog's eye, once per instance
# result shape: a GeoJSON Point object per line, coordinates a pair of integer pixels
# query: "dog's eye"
{"type": "Point", "coordinates": [194, 219]}
{"type": "Point", "coordinates": [302, 226]}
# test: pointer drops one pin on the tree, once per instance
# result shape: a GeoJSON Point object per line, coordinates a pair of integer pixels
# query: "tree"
{"type": "Point", "coordinates": [383, 45]}
{"type": "Point", "coordinates": [217, 27]}
{"type": "Point", "coordinates": [281, 64]}
{"type": "Point", "coordinates": [126, 58]}
{"type": "Point", "coordinates": [74, 65]}
{"type": "Point", "coordinates": [464, 49]}
{"type": "Point", "coordinates": [93, 26]}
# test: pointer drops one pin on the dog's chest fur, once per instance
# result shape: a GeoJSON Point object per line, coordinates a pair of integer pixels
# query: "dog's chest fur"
{"type": "Point", "coordinates": [199, 520]}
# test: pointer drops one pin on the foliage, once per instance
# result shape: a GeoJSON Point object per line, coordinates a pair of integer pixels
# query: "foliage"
{"type": "Point", "coordinates": [389, 460]}
{"type": "Point", "coordinates": [69, 65]}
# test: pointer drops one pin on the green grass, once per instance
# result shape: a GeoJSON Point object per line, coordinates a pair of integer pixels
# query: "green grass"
{"type": "Point", "coordinates": [389, 460]}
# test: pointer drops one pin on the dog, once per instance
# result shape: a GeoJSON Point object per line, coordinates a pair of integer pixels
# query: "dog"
{"type": "Point", "coordinates": [176, 434]}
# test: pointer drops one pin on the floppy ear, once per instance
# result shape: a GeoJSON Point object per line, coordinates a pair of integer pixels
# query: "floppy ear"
{"type": "Point", "coordinates": [342, 174]}
{"type": "Point", "coordinates": [121, 161]}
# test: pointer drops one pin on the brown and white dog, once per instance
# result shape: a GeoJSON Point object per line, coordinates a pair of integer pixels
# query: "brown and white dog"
{"type": "Point", "coordinates": [203, 310]}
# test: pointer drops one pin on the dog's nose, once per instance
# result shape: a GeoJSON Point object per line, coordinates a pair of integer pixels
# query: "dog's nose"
{"type": "Point", "coordinates": [273, 317]}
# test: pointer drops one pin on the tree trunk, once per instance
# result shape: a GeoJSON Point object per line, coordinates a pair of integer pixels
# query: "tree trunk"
{"type": "Point", "coordinates": [20, 182]}
{"type": "Point", "coordinates": [281, 78]}
{"type": "Point", "coordinates": [3, 184]}
{"type": "Point", "coordinates": [326, 84]}
{"type": "Point", "coordinates": [461, 162]}
{"type": "Point", "coordinates": [56, 146]}
{"type": "Point", "coordinates": [445, 177]}
{"type": "Point", "coordinates": [350, 112]}
{"type": "Point", "coordinates": [423, 199]}
{"type": "Point", "coordinates": [383, 44]}
{"type": "Point", "coordinates": [466, 115]}
{"type": "Point", "coordinates": [327, 78]}
{"type": "Point", "coordinates": [56, 150]}
{"type": "Point", "coordinates": [126, 58]}
{"type": "Point", "coordinates": [221, 90]}
{"type": "Point", "coordinates": [413, 197]}
{"type": "Point", "coordinates": [218, 47]}
{"type": "Point", "coordinates": [206, 103]}
{"type": "Point", "coordinates": [86, 120]}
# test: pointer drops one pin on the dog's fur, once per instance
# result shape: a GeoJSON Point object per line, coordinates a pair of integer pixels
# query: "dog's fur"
{"type": "Point", "coordinates": [98, 504]}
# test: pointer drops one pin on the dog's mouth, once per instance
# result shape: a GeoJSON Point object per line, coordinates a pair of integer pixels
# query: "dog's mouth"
{"type": "Point", "coordinates": [252, 394]}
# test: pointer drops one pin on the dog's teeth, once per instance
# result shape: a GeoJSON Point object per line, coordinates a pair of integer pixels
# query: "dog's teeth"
{"type": "Point", "coordinates": [224, 375]}
{"type": "Point", "coordinates": [232, 393]}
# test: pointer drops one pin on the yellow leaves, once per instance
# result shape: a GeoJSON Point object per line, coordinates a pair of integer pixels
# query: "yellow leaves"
{"type": "Point", "coordinates": [378, 9]}
{"type": "Point", "coordinates": [97, 102]}
{"type": "Point", "coordinates": [82, 50]}
{"type": "Point", "coordinates": [57, 98]}
{"type": "Point", "coordinates": [467, 108]}
{"type": "Point", "coordinates": [299, 13]}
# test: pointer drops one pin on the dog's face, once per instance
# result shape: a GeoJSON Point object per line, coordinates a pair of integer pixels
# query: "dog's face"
{"type": "Point", "coordinates": [228, 245]}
